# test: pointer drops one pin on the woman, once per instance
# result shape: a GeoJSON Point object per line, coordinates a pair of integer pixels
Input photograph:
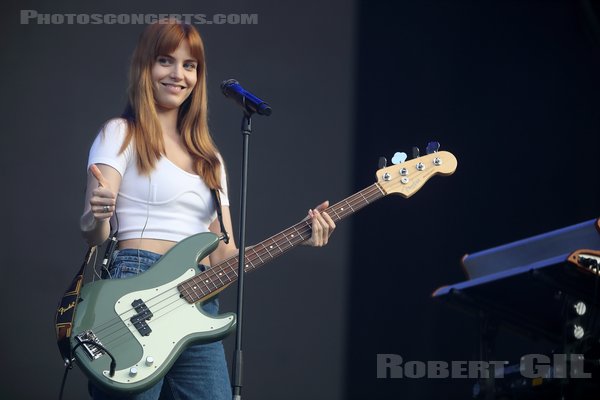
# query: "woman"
{"type": "Point", "coordinates": [160, 159]}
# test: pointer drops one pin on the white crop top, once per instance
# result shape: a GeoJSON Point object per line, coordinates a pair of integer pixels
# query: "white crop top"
{"type": "Point", "coordinates": [169, 204]}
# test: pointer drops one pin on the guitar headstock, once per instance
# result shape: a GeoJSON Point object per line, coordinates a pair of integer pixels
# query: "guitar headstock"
{"type": "Point", "coordinates": [407, 177]}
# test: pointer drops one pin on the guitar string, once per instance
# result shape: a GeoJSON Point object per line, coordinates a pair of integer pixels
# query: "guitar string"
{"type": "Point", "coordinates": [221, 269]}
{"type": "Point", "coordinates": [213, 272]}
{"type": "Point", "coordinates": [281, 240]}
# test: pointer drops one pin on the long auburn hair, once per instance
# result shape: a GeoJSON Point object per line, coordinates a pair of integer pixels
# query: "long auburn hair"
{"type": "Point", "coordinates": [162, 38]}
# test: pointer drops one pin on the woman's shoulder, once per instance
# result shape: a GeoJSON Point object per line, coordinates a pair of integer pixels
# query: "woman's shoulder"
{"type": "Point", "coordinates": [108, 145]}
{"type": "Point", "coordinates": [114, 126]}
{"type": "Point", "coordinates": [113, 131]}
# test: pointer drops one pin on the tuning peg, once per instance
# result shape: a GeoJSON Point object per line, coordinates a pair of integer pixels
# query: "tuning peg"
{"type": "Point", "coordinates": [415, 152]}
{"type": "Point", "coordinates": [399, 157]}
{"type": "Point", "coordinates": [382, 163]}
{"type": "Point", "coordinates": [433, 147]}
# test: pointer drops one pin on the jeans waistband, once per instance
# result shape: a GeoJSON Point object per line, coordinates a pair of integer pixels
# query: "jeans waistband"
{"type": "Point", "coordinates": [137, 253]}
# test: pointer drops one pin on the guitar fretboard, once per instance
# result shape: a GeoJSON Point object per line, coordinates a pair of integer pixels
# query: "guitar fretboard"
{"type": "Point", "coordinates": [226, 272]}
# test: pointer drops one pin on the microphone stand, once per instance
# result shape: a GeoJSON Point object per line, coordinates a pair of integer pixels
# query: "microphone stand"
{"type": "Point", "coordinates": [237, 364]}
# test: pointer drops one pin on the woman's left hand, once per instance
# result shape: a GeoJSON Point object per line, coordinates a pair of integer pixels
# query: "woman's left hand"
{"type": "Point", "coordinates": [322, 226]}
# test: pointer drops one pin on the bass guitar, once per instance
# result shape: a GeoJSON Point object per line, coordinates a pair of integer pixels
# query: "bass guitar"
{"type": "Point", "coordinates": [128, 332]}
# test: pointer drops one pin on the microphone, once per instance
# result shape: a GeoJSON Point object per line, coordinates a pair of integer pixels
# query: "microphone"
{"type": "Point", "coordinates": [249, 102]}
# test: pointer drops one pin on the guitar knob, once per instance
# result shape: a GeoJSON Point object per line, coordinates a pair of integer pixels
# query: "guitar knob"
{"type": "Point", "coordinates": [433, 147]}
{"type": "Point", "coordinates": [399, 157]}
{"type": "Point", "coordinates": [133, 371]}
{"type": "Point", "coordinates": [415, 152]}
{"type": "Point", "coordinates": [149, 360]}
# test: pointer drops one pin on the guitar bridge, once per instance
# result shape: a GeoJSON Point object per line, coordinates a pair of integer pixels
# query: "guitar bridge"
{"type": "Point", "coordinates": [87, 340]}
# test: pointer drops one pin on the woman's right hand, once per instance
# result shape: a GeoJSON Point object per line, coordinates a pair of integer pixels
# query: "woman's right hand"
{"type": "Point", "coordinates": [103, 200]}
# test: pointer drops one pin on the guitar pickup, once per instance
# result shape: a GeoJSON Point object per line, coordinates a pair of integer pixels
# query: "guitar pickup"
{"type": "Point", "coordinates": [142, 309]}
{"type": "Point", "coordinates": [141, 326]}
{"type": "Point", "coordinates": [93, 352]}
{"type": "Point", "coordinates": [139, 320]}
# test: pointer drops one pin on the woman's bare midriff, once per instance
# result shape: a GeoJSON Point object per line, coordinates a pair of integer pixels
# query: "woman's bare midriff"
{"type": "Point", "coordinates": [153, 245]}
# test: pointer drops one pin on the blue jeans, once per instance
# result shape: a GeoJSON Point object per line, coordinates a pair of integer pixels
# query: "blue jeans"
{"type": "Point", "coordinates": [200, 372]}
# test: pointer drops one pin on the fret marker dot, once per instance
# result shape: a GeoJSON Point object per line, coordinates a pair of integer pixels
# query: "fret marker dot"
{"type": "Point", "coordinates": [342, 209]}
{"type": "Point", "coordinates": [220, 273]}
{"type": "Point", "coordinates": [206, 281]}
{"type": "Point", "coordinates": [194, 287]}
{"type": "Point", "coordinates": [270, 247]}
{"type": "Point", "coordinates": [292, 235]}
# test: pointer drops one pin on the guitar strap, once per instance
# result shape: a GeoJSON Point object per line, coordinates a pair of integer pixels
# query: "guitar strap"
{"type": "Point", "coordinates": [217, 200]}
{"type": "Point", "coordinates": [66, 309]}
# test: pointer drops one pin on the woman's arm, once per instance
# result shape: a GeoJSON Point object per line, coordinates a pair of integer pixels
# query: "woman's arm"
{"type": "Point", "coordinates": [322, 228]}
{"type": "Point", "coordinates": [103, 182]}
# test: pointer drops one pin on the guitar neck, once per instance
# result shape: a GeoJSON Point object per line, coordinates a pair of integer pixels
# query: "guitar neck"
{"type": "Point", "coordinates": [226, 272]}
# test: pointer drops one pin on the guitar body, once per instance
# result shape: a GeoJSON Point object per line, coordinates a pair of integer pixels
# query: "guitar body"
{"type": "Point", "coordinates": [143, 321]}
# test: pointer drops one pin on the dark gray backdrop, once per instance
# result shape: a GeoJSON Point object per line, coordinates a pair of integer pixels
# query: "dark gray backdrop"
{"type": "Point", "coordinates": [62, 81]}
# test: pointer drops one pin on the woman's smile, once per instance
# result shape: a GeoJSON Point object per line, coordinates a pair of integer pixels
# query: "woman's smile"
{"type": "Point", "coordinates": [174, 76]}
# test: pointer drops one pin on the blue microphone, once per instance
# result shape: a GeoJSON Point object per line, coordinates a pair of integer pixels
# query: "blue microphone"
{"type": "Point", "coordinates": [249, 102]}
